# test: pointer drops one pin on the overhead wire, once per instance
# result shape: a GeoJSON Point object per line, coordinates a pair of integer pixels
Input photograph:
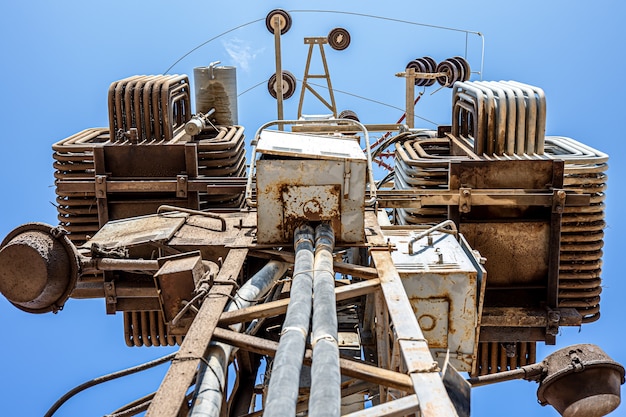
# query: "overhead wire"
{"type": "Point", "coordinates": [408, 22]}
{"type": "Point", "coordinates": [209, 41]}
{"type": "Point", "coordinates": [106, 378]}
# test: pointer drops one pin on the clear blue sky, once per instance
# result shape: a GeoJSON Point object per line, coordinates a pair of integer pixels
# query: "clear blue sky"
{"type": "Point", "coordinates": [58, 59]}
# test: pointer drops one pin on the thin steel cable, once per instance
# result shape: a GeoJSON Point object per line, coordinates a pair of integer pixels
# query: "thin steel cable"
{"type": "Point", "coordinates": [389, 19]}
{"type": "Point", "coordinates": [373, 101]}
{"type": "Point", "coordinates": [106, 378]}
{"type": "Point", "coordinates": [210, 40]}
{"type": "Point", "coordinates": [336, 12]}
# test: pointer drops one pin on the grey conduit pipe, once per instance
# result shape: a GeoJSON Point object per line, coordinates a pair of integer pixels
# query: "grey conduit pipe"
{"type": "Point", "coordinates": [285, 379]}
{"type": "Point", "coordinates": [325, 398]}
{"type": "Point", "coordinates": [209, 392]}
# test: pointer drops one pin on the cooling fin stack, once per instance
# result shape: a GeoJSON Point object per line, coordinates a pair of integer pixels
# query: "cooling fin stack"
{"type": "Point", "coordinates": [500, 118]}
{"type": "Point", "coordinates": [221, 154]}
{"type": "Point", "coordinates": [147, 328]}
{"type": "Point", "coordinates": [582, 228]}
{"type": "Point", "coordinates": [422, 164]}
{"type": "Point", "coordinates": [158, 106]}
{"type": "Point", "coordinates": [145, 113]}
{"type": "Point", "coordinates": [73, 161]}
{"type": "Point", "coordinates": [506, 121]}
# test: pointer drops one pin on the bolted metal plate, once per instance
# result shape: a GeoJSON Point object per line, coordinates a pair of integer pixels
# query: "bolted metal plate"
{"type": "Point", "coordinates": [138, 230]}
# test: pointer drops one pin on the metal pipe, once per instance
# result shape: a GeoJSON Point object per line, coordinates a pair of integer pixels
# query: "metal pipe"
{"type": "Point", "coordinates": [528, 372]}
{"type": "Point", "coordinates": [285, 381]}
{"type": "Point", "coordinates": [208, 396]}
{"type": "Point", "coordinates": [91, 265]}
{"type": "Point", "coordinates": [166, 208]}
{"type": "Point", "coordinates": [325, 398]}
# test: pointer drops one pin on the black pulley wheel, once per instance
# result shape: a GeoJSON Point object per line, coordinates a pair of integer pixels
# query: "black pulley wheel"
{"type": "Point", "coordinates": [288, 85]}
{"type": "Point", "coordinates": [284, 22]}
{"type": "Point", "coordinates": [339, 39]}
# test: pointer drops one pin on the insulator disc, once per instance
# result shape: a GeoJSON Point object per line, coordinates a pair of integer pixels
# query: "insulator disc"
{"type": "Point", "coordinates": [466, 65]}
{"type": "Point", "coordinates": [432, 63]}
{"type": "Point", "coordinates": [418, 66]}
{"type": "Point", "coordinates": [339, 39]}
{"type": "Point", "coordinates": [450, 71]}
{"type": "Point", "coordinates": [285, 20]}
{"type": "Point", "coordinates": [289, 85]}
{"type": "Point", "coordinates": [460, 69]}
{"type": "Point", "coordinates": [429, 66]}
{"type": "Point", "coordinates": [348, 114]}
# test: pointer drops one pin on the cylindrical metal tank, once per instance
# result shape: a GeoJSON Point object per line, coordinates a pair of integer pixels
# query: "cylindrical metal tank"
{"type": "Point", "coordinates": [216, 87]}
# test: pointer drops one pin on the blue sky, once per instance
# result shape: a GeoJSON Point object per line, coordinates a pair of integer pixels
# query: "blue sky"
{"type": "Point", "coordinates": [58, 59]}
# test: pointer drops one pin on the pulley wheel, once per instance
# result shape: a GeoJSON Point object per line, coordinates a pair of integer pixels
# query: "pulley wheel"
{"type": "Point", "coordinates": [339, 39]}
{"type": "Point", "coordinates": [285, 21]}
{"type": "Point", "coordinates": [289, 85]}
{"type": "Point", "coordinates": [466, 66]}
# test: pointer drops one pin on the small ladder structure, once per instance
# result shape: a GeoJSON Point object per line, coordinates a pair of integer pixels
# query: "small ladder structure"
{"type": "Point", "coordinates": [320, 41]}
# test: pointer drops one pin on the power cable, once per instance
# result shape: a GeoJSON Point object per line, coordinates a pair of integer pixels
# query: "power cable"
{"type": "Point", "coordinates": [105, 378]}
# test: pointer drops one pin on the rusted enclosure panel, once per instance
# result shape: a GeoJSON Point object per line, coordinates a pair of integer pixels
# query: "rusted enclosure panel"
{"type": "Point", "coordinates": [306, 178]}
{"type": "Point", "coordinates": [175, 282]}
{"type": "Point", "coordinates": [445, 285]}
{"type": "Point", "coordinates": [524, 263]}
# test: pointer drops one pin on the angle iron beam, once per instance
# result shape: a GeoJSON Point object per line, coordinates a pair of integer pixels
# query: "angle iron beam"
{"type": "Point", "coordinates": [274, 308]}
{"type": "Point", "coordinates": [408, 405]}
{"type": "Point", "coordinates": [353, 369]}
{"type": "Point", "coordinates": [420, 364]}
{"type": "Point", "coordinates": [526, 317]}
{"type": "Point", "coordinates": [419, 198]}
{"type": "Point", "coordinates": [171, 394]}
{"type": "Point", "coordinates": [341, 267]}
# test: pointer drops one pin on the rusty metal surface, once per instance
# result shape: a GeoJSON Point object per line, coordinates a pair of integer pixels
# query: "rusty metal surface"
{"type": "Point", "coordinates": [39, 268]}
{"type": "Point", "coordinates": [292, 191]}
{"type": "Point", "coordinates": [176, 283]}
{"type": "Point", "coordinates": [169, 398]}
{"type": "Point", "coordinates": [581, 380]}
{"type": "Point", "coordinates": [419, 363]}
{"type": "Point", "coordinates": [136, 231]}
{"type": "Point", "coordinates": [445, 289]}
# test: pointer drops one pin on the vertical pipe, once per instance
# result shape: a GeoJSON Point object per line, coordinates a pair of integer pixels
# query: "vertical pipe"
{"type": "Point", "coordinates": [285, 380]}
{"type": "Point", "coordinates": [210, 385]}
{"type": "Point", "coordinates": [410, 96]}
{"type": "Point", "coordinates": [279, 68]}
{"type": "Point", "coordinates": [325, 398]}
